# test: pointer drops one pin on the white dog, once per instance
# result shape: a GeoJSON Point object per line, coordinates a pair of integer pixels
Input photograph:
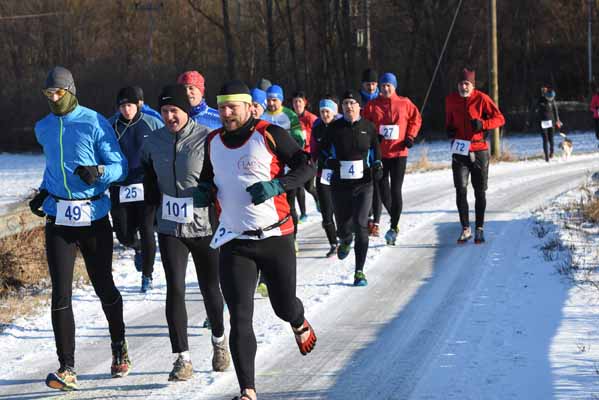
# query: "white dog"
{"type": "Point", "coordinates": [566, 146]}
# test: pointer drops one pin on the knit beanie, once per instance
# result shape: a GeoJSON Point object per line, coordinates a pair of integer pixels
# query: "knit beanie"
{"type": "Point", "coordinates": [369, 75]}
{"type": "Point", "coordinates": [259, 96]}
{"type": "Point", "coordinates": [389, 78]}
{"type": "Point", "coordinates": [468, 75]}
{"type": "Point", "coordinates": [127, 95]}
{"type": "Point", "coordinates": [275, 92]}
{"type": "Point", "coordinates": [193, 78]}
{"type": "Point", "coordinates": [263, 84]}
{"type": "Point", "coordinates": [60, 77]}
{"type": "Point", "coordinates": [140, 92]}
{"type": "Point", "coordinates": [350, 94]}
{"type": "Point", "coordinates": [234, 90]}
{"type": "Point", "coordinates": [174, 95]}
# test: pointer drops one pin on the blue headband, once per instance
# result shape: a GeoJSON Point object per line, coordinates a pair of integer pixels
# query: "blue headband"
{"type": "Point", "coordinates": [328, 103]}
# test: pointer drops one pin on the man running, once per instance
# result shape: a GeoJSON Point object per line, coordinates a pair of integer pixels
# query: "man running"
{"type": "Point", "coordinates": [469, 113]}
{"type": "Point", "coordinates": [82, 159]}
{"type": "Point", "coordinates": [397, 121]}
{"type": "Point", "coordinates": [200, 112]}
{"type": "Point", "coordinates": [355, 159]}
{"type": "Point", "coordinates": [130, 213]}
{"type": "Point", "coordinates": [244, 164]}
{"type": "Point", "coordinates": [258, 102]}
{"type": "Point", "coordinates": [173, 159]}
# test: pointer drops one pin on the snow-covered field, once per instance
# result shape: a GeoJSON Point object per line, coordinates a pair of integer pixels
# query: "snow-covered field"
{"type": "Point", "coordinates": [437, 321]}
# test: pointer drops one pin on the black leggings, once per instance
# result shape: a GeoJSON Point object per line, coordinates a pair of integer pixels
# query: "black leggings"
{"type": "Point", "coordinates": [175, 252]}
{"type": "Point", "coordinates": [377, 204]}
{"type": "Point", "coordinates": [301, 195]}
{"type": "Point", "coordinates": [95, 244]}
{"type": "Point", "coordinates": [352, 203]}
{"type": "Point", "coordinates": [394, 168]}
{"type": "Point", "coordinates": [547, 135]}
{"type": "Point", "coordinates": [128, 218]}
{"type": "Point", "coordinates": [240, 261]}
{"type": "Point", "coordinates": [291, 195]}
{"type": "Point", "coordinates": [326, 210]}
{"type": "Point", "coordinates": [462, 167]}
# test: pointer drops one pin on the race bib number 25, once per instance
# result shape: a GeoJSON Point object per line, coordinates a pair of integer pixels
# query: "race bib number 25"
{"type": "Point", "coordinates": [131, 193]}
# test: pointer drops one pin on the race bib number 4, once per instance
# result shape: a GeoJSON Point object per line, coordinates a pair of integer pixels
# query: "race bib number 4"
{"type": "Point", "coordinates": [546, 124]}
{"type": "Point", "coordinates": [389, 132]}
{"type": "Point", "coordinates": [131, 193]}
{"type": "Point", "coordinates": [351, 169]}
{"type": "Point", "coordinates": [177, 209]}
{"type": "Point", "coordinates": [73, 213]}
{"type": "Point", "coordinates": [222, 236]}
{"type": "Point", "coordinates": [325, 176]}
{"type": "Point", "coordinates": [461, 147]}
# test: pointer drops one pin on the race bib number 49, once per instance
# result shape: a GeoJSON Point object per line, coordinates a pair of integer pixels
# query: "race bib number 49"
{"type": "Point", "coordinates": [461, 147]}
{"type": "Point", "coordinates": [325, 176]}
{"type": "Point", "coordinates": [351, 169]}
{"type": "Point", "coordinates": [389, 132]}
{"type": "Point", "coordinates": [177, 209]}
{"type": "Point", "coordinates": [73, 213]}
{"type": "Point", "coordinates": [546, 124]}
{"type": "Point", "coordinates": [131, 193]}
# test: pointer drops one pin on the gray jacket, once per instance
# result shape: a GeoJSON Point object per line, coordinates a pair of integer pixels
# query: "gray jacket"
{"type": "Point", "coordinates": [176, 160]}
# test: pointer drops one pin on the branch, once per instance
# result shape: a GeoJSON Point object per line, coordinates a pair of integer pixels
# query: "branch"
{"type": "Point", "coordinates": [211, 19]}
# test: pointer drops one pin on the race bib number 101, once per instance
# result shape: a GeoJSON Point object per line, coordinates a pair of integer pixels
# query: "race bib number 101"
{"type": "Point", "coordinates": [177, 209]}
{"type": "Point", "coordinates": [73, 213]}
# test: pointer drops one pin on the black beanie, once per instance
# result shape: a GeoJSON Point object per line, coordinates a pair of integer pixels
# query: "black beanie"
{"type": "Point", "coordinates": [174, 95]}
{"type": "Point", "coordinates": [350, 94]}
{"type": "Point", "coordinates": [140, 92]}
{"type": "Point", "coordinates": [127, 95]}
{"type": "Point", "coordinates": [234, 90]}
{"type": "Point", "coordinates": [370, 75]}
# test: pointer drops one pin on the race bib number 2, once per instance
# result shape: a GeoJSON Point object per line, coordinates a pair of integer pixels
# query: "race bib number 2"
{"type": "Point", "coordinates": [73, 213]}
{"type": "Point", "coordinates": [177, 209]}
{"type": "Point", "coordinates": [351, 169]}
{"type": "Point", "coordinates": [131, 193]}
{"type": "Point", "coordinates": [461, 147]}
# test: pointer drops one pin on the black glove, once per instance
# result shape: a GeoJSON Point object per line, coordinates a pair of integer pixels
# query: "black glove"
{"type": "Point", "coordinates": [451, 133]}
{"type": "Point", "coordinates": [477, 125]}
{"type": "Point", "coordinates": [408, 142]}
{"type": "Point", "coordinates": [36, 203]}
{"type": "Point", "coordinates": [89, 173]}
{"type": "Point", "coordinates": [377, 170]}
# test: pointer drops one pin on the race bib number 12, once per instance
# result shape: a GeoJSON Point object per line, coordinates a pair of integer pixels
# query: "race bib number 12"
{"type": "Point", "coordinates": [177, 209]}
{"type": "Point", "coordinates": [461, 147]}
{"type": "Point", "coordinates": [73, 213]}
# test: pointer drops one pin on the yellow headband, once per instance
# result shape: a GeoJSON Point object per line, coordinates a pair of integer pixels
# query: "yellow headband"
{"type": "Point", "coordinates": [244, 97]}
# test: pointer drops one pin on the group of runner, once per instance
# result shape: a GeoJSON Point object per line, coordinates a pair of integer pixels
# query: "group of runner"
{"type": "Point", "coordinates": [221, 185]}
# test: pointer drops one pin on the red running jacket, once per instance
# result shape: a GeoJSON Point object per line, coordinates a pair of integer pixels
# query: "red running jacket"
{"type": "Point", "coordinates": [459, 111]}
{"type": "Point", "coordinates": [395, 110]}
{"type": "Point", "coordinates": [306, 120]}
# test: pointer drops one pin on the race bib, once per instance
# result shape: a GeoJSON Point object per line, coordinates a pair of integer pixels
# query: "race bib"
{"type": "Point", "coordinates": [73, 213]}
{"type": "Point", "coordinates": [131, 193]}
{"type": "Point", "coordinates": [325, 176]}
{"type": "Point", "coordinates": [222, 236]}
{"type": "Point", "coordinates": [546, 124]}
{"type": "Point", "coordinates": [177, 209]}
{"type": "Point", "coordinates": [389, 132]}
{"type": "Point", "coordinates": [461, 147]}
{"type": "Point", "coordinates": [351, 169]}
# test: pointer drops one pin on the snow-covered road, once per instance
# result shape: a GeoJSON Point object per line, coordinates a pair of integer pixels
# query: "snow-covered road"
{"type": "Point", "coordinates": [437, 321]}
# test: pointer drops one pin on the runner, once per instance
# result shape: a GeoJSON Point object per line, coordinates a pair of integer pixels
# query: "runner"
{"type": "Point", "coordinates": [328, 113]}
{"type": "Point", "coordinates": [82, 159]}
{"type": "Point", "coordinates": [306, 118]}
{"type": "Point", "coordinates": [172, 159]}
{"type": "Point", "coordinates": [548, 120]}
{"type": "Point", "coordinates": [258, 102]}
{"type": "Point", "coordinates": [355, 159]}
{"type": "Point", "coordinates": [468, 114]}
{"type": "Point", "coordinates": [146, 109]}
{"type": "Point", "coordinates": [244, 165]}
{"type": "Point", "coordinates": [397, 121]}
{"type": "Point", "coordinates": [200, 112]}
{"type": "Point", "coordinates": [130, 213]}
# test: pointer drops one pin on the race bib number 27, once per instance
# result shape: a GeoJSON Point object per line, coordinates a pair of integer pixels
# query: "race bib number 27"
{"type": "Point", "coordinates": [389, 132]}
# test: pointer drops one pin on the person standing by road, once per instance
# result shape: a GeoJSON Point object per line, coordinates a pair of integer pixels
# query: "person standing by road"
{"type": "Point", "coordinates": [469, 113]}
{"type": "Point", "coordinates": [548, 119]}
{"type": "Point", "coordinates": [83, 158]}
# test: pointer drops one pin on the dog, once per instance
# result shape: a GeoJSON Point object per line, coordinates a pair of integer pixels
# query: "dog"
{"type": "Point", "coordinates": [566, 146]}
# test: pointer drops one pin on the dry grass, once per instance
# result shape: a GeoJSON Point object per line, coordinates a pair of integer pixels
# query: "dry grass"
{"type": "Point", "coordinates": [505, 156]}
{"type": "Point", "coordinates": [590, 210]}
{"type": "Point", "coordinates": [24, 274]}
{"type": "Point", "coordinates": [424, 164]}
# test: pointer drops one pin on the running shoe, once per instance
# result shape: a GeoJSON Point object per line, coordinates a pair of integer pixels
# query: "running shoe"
{"type": "Point", "coordinates": [391, 236]}
{"type": "Point", "coordinates": [305, 337]}
{"type": "Point", "coordinates": [262, 289]}
{"type": "Point", "coordinates": [220, 355]}
{"type": "Point", "coordinates": [146, 283]}
{"type": "Point", "coordinates": [332, 251]}
{"type": "Point", "coordinates": [479, 236]}
{"type": "Point", "coordinates": [138, 260]}
{"type": "Point", "coordinates": [360, 279]}
{"type": "Point", "coordinates": [64, 379]}
{"type": "Point", "coordinates": [343, 250]}
{"type": "Point", "coordinates": [465, 236]}
{"type": "Point", "coordinates": [373, 229]}
{"type": "Point", "coordinates": [121, 364]}
{"type": "Point", "coordinates": [182, 370]}
{"type": "Point", "coordinates": [303, 218]}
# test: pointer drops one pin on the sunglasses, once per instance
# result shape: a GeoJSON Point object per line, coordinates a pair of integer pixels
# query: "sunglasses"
{"type": "Point", "coordinates": [52, 91]}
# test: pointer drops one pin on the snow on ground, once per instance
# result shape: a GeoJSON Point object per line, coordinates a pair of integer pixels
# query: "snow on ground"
{"type": "Point", "coordinates": [20, 174]}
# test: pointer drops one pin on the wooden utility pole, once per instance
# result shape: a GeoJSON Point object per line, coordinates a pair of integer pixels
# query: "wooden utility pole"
{"type": "Point", "coordinates": [590, 46]}
{"type": "Point", "coordinates": [493, 73]}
